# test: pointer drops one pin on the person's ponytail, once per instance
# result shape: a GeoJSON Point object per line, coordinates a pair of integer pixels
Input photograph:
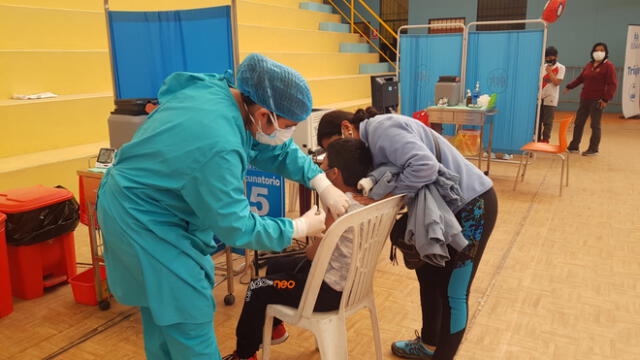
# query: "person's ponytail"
{"type": "Point", "coordinates": [331, 122]}
{"type": "Point", "coordinates": [363, 114]}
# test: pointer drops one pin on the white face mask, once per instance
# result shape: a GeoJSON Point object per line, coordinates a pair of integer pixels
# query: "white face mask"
{"type": "Point", "coordinates": [599, 55]}
{"type": "Point", "coordinates": [277, 137]}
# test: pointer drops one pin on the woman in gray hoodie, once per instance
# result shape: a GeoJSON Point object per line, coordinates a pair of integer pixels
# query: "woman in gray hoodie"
{"type": "Point", "coordinates": [409, 145]}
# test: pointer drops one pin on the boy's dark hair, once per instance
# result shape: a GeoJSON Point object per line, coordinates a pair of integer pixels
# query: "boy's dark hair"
{"type": "Point", "coordinates": [606, 51]}
{"type": "Point", "coordinates": [330, 123]}
{"type": "Point", "coordinates": [352, 157]}
{"type": "Point", "coordinates": [551, 51]}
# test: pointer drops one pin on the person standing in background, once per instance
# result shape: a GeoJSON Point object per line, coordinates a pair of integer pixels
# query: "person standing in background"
{"type": "Point", "coordinates": [553, 74]}
{"type": "Point", "coordinates": [600, 84]}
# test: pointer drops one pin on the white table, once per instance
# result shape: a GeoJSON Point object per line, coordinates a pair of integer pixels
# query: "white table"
{"type": "Point", "coordinates": [463, 115]}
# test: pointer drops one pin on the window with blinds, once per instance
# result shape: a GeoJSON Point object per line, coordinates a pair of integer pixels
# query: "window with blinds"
{"type": "Point", "coordinates": [395, 13]}
{"type": "Point", "coordinates": [500, 10]}
{"type": "Point", "coordinates": [446, 29]}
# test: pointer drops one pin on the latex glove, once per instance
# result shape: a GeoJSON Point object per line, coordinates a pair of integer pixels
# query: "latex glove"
{"type": "Point", "coordinates": [365, 185]}
{"type": "Point", "coordinates": [309, 224]}
{"type": "Point", "coordinates": [331, 196]}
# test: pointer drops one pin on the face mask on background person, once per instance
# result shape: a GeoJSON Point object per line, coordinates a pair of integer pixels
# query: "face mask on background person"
{"type": "Point", "coordinates": [599, 55]}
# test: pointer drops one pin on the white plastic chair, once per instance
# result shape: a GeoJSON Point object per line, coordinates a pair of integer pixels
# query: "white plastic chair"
{"type": "Point", "coordinates": [372, 225]}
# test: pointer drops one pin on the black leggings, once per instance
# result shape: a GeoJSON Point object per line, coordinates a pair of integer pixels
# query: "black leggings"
{"type": "Point", "coordinates": [444, 290]}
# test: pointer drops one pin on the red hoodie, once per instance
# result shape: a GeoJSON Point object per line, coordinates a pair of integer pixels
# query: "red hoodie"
{"type": "Point", "coordinates": [599, 83]}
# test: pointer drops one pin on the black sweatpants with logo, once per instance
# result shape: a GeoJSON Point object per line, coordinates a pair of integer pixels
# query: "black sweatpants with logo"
{"type": "Point", "coordinates": [283, 285]}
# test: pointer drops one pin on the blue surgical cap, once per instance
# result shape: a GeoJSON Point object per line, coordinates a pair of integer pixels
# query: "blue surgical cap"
{"type": "Point", "coordinates": [275, 87]}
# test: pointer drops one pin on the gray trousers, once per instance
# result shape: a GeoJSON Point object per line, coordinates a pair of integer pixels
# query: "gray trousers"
{"type": "Point", "coordinates": [587, 108]}
{"type": "Point", "coordinates": [547, 113]}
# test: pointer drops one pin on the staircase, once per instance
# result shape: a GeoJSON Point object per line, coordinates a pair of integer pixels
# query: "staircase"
{"type": "Point", "coordinates": [61, 47]}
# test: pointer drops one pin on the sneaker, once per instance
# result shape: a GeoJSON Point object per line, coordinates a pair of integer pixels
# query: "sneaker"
{"type": "Point", "coordinates": [235, 356]}
{"type": "Point", "coordinates": [589, 153]}
{"type": "Point", "coordinates": [411, 349]}
{"type": "Point", "coordinates": [279, 335]}
{"type": "Point", "coordinates": [573, 150]}
{"type": "Point", "coordinates": [544, 141]}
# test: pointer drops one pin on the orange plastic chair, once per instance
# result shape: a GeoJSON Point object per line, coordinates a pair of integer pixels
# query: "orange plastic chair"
{"type": "Point", "coordinates": [538, 147]}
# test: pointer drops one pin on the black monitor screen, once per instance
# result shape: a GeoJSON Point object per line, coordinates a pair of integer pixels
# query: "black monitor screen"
{"type": "Point", "coordinates": [105, 156]}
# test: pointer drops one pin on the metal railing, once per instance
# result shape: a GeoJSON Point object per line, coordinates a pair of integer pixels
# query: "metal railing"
{"type": "Point", "coordinates": [351, 20]}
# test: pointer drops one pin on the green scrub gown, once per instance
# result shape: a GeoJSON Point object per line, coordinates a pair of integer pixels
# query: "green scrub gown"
{"type": "Point", "coordinates": [175, 185]}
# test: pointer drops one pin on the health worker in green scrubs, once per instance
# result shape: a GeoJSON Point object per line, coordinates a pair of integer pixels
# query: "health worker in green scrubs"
{"type": "Point", "coordinates": [179, 182]}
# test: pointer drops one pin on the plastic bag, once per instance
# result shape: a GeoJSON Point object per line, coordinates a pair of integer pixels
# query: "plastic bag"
{"type": "Point", "coordinates": [492, 101]}
{"type": "Point", "coordinates": [483, 101]}
{"type": "Point", "coordinates": [467, 142]}
{"type": "Point", "coordinates": [39, 225]}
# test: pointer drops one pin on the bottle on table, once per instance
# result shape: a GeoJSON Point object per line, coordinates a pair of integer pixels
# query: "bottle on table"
{"type": "Point", "coordinates": [476, 93]}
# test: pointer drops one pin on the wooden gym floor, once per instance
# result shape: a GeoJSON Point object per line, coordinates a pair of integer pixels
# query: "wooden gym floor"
{"type": "Point", "coordinates": [560, 279]}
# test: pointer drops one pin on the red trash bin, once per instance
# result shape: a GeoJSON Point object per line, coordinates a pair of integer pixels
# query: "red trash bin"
{"type": "Point", "coordinates": [6, 301]}
{"type": "Point", "coordinates": [40, 242]}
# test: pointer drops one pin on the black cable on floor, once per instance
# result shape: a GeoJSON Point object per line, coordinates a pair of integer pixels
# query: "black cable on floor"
{"type": "Point", "coordinates": [120, 317]}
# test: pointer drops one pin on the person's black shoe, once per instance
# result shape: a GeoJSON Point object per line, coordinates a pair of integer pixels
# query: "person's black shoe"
{"type": "Point", "coordinates": [572, 150]}
{"type": "Point", "coordinates": [589, 153]}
